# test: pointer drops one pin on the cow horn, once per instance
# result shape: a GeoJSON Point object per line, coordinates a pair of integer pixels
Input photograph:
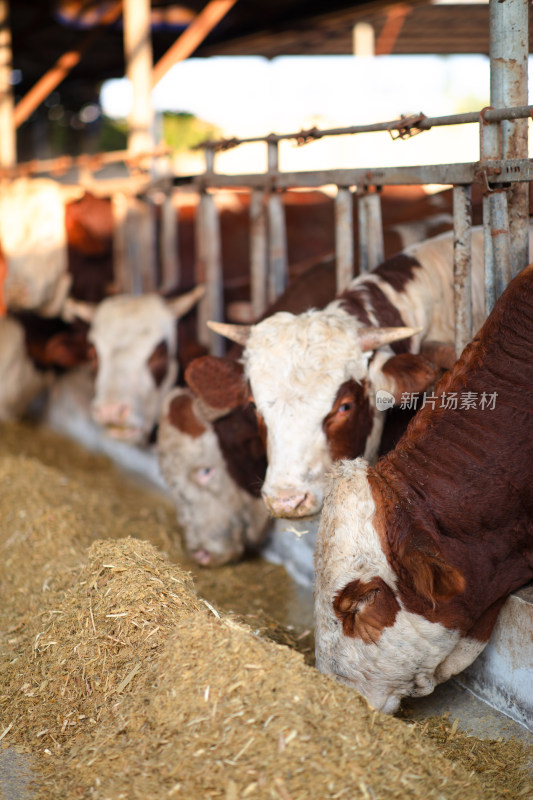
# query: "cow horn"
{"type": "Point", "coordinates": [237, 333]}
{"type": "Point", "coordinates": [78, 309]}
{"type": "Point", "coordinates": [372, 338]}
{"type": "Point", "coordinates": [182, 304]}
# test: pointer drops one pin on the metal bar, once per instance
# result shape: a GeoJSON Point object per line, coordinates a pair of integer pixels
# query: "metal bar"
{"type": "Point", "coordinates": [344, 241]}
{"type": "Point", "coordinates": [362, 232]}
{"type": "Point", "coordinates": [423, 123]}
{"type": "Point", "coordinates": [462, 272]}
{"type": "Point", "coordinates": [501, 240]}
{"type": "Point", "coordinates": [8, 139]}
{"type": "Point", "coordinates": [139, 64]}
{"type": "Point", "coordinates": [376, 247]}
{"type": "Point", "coordinates": [490, 272]}
{"type": "Point", "coordinates": [277, 234]}
{"type": "Point", "coordinates": [168, 244]}
{"type": "Point", "coordinates": [509, 48]}
{"type": "Point", "coordinates": [209, 272]}
{"type": "Point", "coordinates": [53, 77]}
{"type": "Point", "coordinates": [258, 253]}
{"type": "Point", "coordinates": [498, 172]}
{"type": "Point", "coordinates": [192, 36]}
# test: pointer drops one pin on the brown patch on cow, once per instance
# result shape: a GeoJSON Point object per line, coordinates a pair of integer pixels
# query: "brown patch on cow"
{"type": "Point", "coordinates": [348, 424]}
{"type": "Point", "coordinates": [243, 449]}
{"type": "Point", "coordinates": [368, 295]}
{"type": "Point", "coordinates": [219, 382]}
{"type": "Point", "coordinates": [397, 271]}
{"type": "Point", "coordinates": [365, 609]}
{"type": "Point", "coordinates": [484, 625]}
{"type": "Point", "coordinates": [410, 373]}
{"type": "Point", "coordinates": [181, 415]}
{"type": "Point", "coordinates": [158, 362]}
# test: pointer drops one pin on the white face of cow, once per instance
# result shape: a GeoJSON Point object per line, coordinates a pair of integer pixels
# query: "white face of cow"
{"type": "Point", "coordinates": [218, 518]}
{"type": "Point", "coordinates": [135, 342]}
{"type": "Point", "coordinates": [364, 636]}
{"type": "Point", "coordinates": [296, 366]}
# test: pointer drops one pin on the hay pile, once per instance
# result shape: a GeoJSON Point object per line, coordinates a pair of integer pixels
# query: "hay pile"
{"type": "Point", "coordinates": [123, 683]}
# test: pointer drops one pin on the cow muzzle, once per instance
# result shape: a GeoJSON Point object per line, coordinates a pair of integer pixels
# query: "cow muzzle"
{"type": "Point", "coordinates": [117, 420]}
{"type": "Point", "coordinates": [291, 504]}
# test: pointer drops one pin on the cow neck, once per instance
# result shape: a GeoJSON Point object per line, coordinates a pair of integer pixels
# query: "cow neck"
{"type": "Point", "coordinates": [462, 479]}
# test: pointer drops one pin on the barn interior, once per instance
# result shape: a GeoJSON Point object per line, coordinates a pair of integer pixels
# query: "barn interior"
{"type": "Point", "coordinates": [88, 528]}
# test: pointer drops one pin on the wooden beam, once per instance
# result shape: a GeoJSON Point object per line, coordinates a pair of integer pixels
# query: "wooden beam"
{"type": "Point", "coordinates": [192, 36]}
{"type": "Point", "coordinates": [8, 139]}
{"type": "Point", "coordinates": [61, 69]}
{"type": "Point", "coordinates": [139, 65]}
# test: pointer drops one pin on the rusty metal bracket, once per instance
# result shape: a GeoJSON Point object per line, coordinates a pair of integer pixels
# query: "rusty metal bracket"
{"type": "Point", "coordinates": [482, 175]}
{"type": "Point", "coordinates": [408, 126]}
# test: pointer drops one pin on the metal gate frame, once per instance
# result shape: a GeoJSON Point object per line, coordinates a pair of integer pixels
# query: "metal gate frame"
{"type": "Point", "coordinates": [503, 169]}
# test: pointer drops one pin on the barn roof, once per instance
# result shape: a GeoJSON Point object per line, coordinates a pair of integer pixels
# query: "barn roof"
{"type": "Point", "coordinates": [42, 30]}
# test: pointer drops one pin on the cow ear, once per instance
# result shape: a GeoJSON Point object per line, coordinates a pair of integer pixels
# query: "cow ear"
{"type": "Point", "coordinates": [182, 304]}
{"type": "Point", "coordinates": [433, 578]}
{"type": "Point", "coordinates": [364, 609]}
{"type": "Point", "coordinates": [180, 413]}
{"type": "Point", "coordinates": [218, 382]}
{"type": "Point", "coordinates": [408, 373]}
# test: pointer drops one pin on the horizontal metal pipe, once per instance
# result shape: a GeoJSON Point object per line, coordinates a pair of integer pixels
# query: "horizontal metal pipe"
{"type": "Point", "coordinates": [497, 172]}
{"type": "Point", "coordinates": [421, 123]}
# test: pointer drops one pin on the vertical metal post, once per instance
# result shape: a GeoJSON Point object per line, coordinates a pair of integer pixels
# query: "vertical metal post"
{"type": "Point", "coordinates": [209, 265]}
{"type": "Point", "coordinates": [258, 253]}
{"type": "Point", "coordinates": [376, 248]}
{"type": "Point", "coordinates": [509, 48]}
{"type": "Point", "coordinates": [139, 65]}
{"type": "Point", "coordinates": [141, 254]}
{"type": "Point", "coordinates": [362, 230]}
{"type": "Point", "coordinates": [278, 267]}
{"type": "Point", "coordinates": [462, 273]}
{"type": "Point", "coordinates": [168, 244]}
{"type": "Point", "coordinates": [344, 243]}
{"type": "Point", "coordinates": [8, 137]}
{"type": "Point", "coordinates": [371, 245]}
{"type": "Point", "coordinates": [490, 267]}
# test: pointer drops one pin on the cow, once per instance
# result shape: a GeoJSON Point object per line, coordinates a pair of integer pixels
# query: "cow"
{"type": "Point", "coordinates": [314, 377]}
{"type": "Point", "coordinates": [213, 459]}
{"type": "Point", "coordinates": [33, 350]}
{"type": "Point", "coordinates": [416, 555]}
{"type": "Point", "coordinates": [133, 353]}
{"type": "Point", "coordinates": [214, 465]}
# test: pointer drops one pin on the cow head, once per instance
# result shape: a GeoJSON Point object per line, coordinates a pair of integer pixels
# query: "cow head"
{"type": "Point", "coordinates": [219, 514]}
{"type": "Point", "coordinates": [385, 630]}
{"type": "Point", "coordinates": [313, 379]}
{"type": "Point", "coordinates": [134, 355]}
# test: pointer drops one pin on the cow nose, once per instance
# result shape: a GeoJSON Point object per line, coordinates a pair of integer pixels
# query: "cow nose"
{"type": "Point", "coordinates": [111, 413]}
{"type": "Point", "coordinates": [202, 556]}
{"type": "Point", "coordinates": [290, 504]}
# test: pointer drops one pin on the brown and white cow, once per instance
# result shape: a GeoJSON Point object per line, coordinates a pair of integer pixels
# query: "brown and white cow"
{"type": "Point", "coordinates": [213, 460]}
{"type": "Point", "coordinates": [135, 357]}
{"type": "Point", "coordinates": [416, 556]}
{"type": "Point", "coordinates": [314, 377]}
{"type": "Point", "coordinates": [214, 465]}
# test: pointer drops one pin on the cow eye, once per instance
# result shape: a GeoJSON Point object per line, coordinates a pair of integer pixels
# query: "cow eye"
{"type": "Point", "coordinates": [344, 408]}
{"type": "Point", "coordinates": [203, 475]}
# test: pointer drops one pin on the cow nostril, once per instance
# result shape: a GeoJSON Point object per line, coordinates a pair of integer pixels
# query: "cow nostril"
{"type": "Point", "coordinates": [298, 504]}
{"type": "Point", "coordinates": [202, 556]}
